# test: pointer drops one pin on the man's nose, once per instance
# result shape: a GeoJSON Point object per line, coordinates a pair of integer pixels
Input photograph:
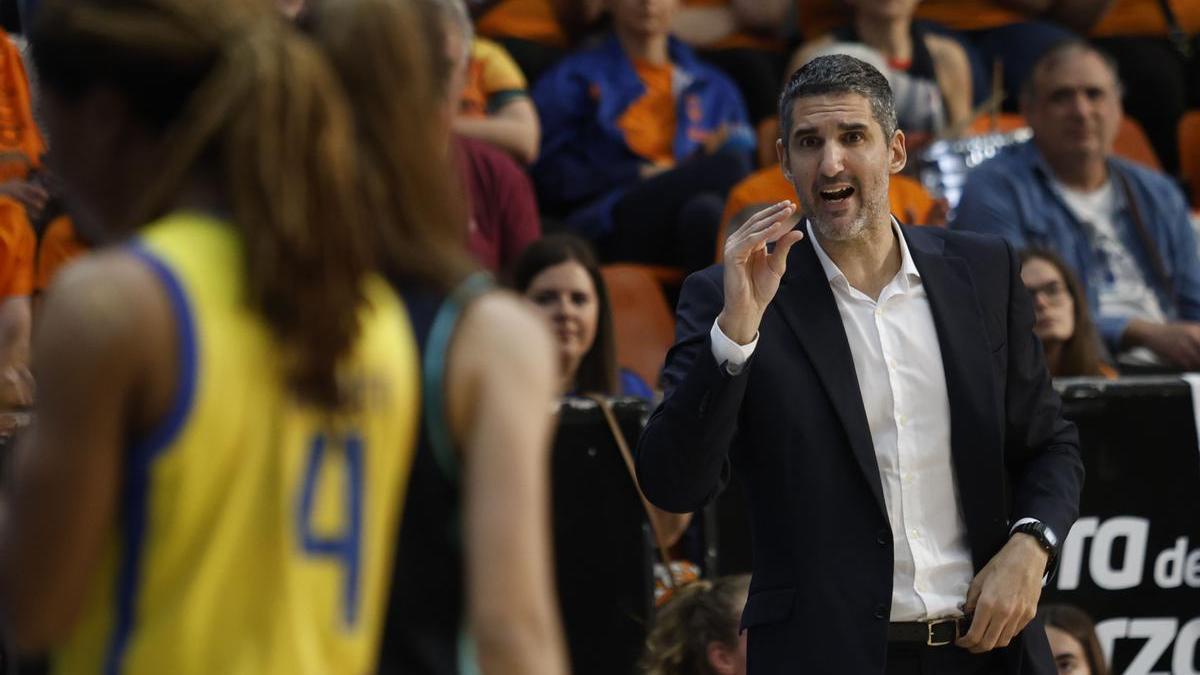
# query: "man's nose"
{"type": "Point", "coordinates": [832, 160]}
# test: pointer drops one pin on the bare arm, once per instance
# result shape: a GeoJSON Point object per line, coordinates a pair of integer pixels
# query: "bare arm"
{"type": "Point", "coordinates": [15, 322]}
{"type": "Point", "coordinates": [100, 326]}
{"type": "Point", "coordinates": [954, 78]}
{"type": "Point", "coordinates": [670, 526]}
{"type": "Point", "coordinates": [501, 385]}
{"type": "Point", "coordinates": [514, 128]}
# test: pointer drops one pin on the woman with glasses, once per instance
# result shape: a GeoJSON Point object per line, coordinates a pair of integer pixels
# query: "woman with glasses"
{"type": "Point", "coordinates": [1063, 324]}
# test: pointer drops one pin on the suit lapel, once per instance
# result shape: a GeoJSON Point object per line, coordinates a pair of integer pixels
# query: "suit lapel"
{"type": "Point", "coordinates": [806, 303]}
{"type": "Point", "coordinates": [966, 359]}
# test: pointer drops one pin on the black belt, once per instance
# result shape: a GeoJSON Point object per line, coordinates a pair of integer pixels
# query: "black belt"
{"type": "Point", "coordinates": [934, 633]}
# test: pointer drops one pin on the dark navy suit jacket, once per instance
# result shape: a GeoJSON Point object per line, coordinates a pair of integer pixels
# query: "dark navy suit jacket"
{"type": "Point", "coordinates": [793, 427]}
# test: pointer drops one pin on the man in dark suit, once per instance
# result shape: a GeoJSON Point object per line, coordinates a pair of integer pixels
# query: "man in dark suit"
{"type": "Point", "coordinates": [880, 392]}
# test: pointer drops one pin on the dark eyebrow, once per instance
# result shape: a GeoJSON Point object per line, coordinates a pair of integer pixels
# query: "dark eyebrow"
{"type": "Point", "coordinates": [845, 126]}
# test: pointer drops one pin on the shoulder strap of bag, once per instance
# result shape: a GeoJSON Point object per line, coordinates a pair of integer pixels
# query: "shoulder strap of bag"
{"type": "Point", "coordinates": [1147, 241]}
{"type": "Point", "coordinates": [618, 437]}
{"type": "Point", "coordinates": [1175, 30]}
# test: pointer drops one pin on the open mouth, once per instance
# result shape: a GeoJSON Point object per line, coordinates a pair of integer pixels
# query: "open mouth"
{"type": "Point", "coordinates": [838, 195]}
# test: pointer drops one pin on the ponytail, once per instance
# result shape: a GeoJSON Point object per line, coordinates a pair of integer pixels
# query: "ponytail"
{"type": "Point", "coordinates": [230, 88]}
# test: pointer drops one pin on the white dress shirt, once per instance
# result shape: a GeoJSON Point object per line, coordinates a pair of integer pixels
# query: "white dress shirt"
{"type": "Point", "coordinates": [898, 363]}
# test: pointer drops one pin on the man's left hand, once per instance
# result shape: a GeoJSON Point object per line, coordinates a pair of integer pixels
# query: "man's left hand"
{"type": "Point", "coordinates": [1004, 595]}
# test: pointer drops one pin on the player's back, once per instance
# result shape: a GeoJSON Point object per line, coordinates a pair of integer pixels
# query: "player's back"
{"type": "Point", "coordinates": [255, 534]}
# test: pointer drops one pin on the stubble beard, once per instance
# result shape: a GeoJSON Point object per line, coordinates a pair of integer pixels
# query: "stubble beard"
{"type": "Point", "coordinates": [869, 211]}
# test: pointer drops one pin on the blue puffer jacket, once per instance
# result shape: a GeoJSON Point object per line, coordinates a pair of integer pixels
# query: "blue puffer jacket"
{"type": "Point", "coordinates": [585, 164]}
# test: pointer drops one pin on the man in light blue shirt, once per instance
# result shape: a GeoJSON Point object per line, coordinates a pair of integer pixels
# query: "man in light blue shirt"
{"type": "Point", "coordinates": [1122, 226]}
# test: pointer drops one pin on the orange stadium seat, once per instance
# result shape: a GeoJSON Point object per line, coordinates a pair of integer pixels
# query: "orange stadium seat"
{"type": "Point", "coordinates": [1133, 145]}
{"type": "Point", "coordinates": [1001, 123]}
{"type": "Point", "coordinates": [1189, 154]}
{"type": "Point", "coordinates": [642, 320]}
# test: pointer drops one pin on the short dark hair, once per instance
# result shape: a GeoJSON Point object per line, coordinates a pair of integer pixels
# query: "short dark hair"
{"type": "Point", "coordinates": [598, 373]}
{"type": "Point", "coordinates": [839, 74]}
{"type": "Point", "coordinates": [1055, 53]}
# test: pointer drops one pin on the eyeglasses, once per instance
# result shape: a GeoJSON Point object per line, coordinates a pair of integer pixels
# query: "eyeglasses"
{"type": "Point", "coordinates": [1055, 292]}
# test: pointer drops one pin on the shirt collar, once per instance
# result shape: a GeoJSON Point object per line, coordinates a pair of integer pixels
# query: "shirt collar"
{"type": "Point", "coordinates": [1037, 162]}
{"type": "Point", "coordinates": [907, 274]}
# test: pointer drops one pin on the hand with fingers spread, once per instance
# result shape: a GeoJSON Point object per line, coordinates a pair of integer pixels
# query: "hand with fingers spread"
{"type": "Point", "coordinates": [1004, 595]}
{"type": "Point", "coordinates": [752, 273]}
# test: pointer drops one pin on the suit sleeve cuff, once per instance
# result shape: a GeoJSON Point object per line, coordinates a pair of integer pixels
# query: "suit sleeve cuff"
{"type": "Point", "coordinates": [729, 354]}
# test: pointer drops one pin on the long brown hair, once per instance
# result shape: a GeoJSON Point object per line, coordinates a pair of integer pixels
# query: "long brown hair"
{"type": "Point", "coordinates": [699, 614]}
{"type": "Point", "coordinates": [1076, 623]}
{"type": "Point", "coordinates": [1081, 353]}
{"type": "Point", "coordinates": [597, 372]}
{"type": "Point", "coordinates": [390, 56]}
{"type": "Point", "coordinates": [229, 89]}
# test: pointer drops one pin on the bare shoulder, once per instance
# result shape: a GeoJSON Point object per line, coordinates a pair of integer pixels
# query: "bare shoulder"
{"type": "Point", "coordinates": [111, 293]}
{"type": "Point", "coordinates": [502, 361]}
{"type": "Point", "coordinates": [106, 325]}
{"type": "Point", "coordinates": [501, 324]}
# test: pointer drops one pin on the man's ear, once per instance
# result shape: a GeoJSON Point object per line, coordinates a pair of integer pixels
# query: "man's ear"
{"type": "Point", "coordinates": [898, 153]}
{"type": "Point", "coordinates": [781, 153]}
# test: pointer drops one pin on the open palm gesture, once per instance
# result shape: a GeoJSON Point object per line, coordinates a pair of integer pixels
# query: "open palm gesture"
{"type": "Point", "coordinates": [752, 273]}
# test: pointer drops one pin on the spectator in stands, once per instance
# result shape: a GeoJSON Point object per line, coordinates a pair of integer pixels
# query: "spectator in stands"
{"type": "Point", "coordinates": [744, 39]}
{"type": "Point", "coordinates": [1009, 31]}
{"type": "Point", "coordinates": [18, 244]}
{"type": "Point", "coordinates": [22, 200]}
{"type": "Point", "coordinates": [1123, 228]}
{"type": "Point", "coordinates": [503, 209]}
{"type": "Point", "coordinates": [1161, 80]}
{"type": "Point", "coordinates": [1073, 641]}
{"type": "Point", "coordinates": [494, 101]}
{"type": "Point", "coordinates": [1063, 324]}
{"type": "Point", "coordinates": [59, 244]}
{"type": "Point", "coordinates": [641, 142]}
{"type": "Point", "coordinates": [537, 33]}
{"type": "Point", "coordinates": [560, 275]}
{"type": "Point", "coordinates": [696, 632]}
{"type": "Point", "coordinates": [935, 89]}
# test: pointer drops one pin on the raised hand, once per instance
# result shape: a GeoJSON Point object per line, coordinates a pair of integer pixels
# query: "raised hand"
{"type": "Point", "coordinates": [752, 273]}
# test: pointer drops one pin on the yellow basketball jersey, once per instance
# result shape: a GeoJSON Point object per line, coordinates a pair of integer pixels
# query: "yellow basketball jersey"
{"type": "Point", "coordinates": [255, 534]}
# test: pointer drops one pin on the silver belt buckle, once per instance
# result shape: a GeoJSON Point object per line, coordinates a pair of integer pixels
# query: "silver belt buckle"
{"type": "Point", "coordinates": [935, 643]}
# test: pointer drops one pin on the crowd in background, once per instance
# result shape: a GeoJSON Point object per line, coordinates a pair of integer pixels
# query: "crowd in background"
{"type": "Point", "coordinates": [591, 132]}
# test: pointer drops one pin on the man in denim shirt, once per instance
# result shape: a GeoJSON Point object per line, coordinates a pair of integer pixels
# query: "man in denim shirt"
{"type": "Point", "coordinates": [1123, 227]}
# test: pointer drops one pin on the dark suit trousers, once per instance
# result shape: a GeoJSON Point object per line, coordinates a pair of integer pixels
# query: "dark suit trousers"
{"type": "Point", "coordinates": [948, 660]}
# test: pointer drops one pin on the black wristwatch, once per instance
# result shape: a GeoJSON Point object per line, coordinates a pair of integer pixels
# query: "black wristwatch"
{"type": "Point", "coordinates": [1045, 538]}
